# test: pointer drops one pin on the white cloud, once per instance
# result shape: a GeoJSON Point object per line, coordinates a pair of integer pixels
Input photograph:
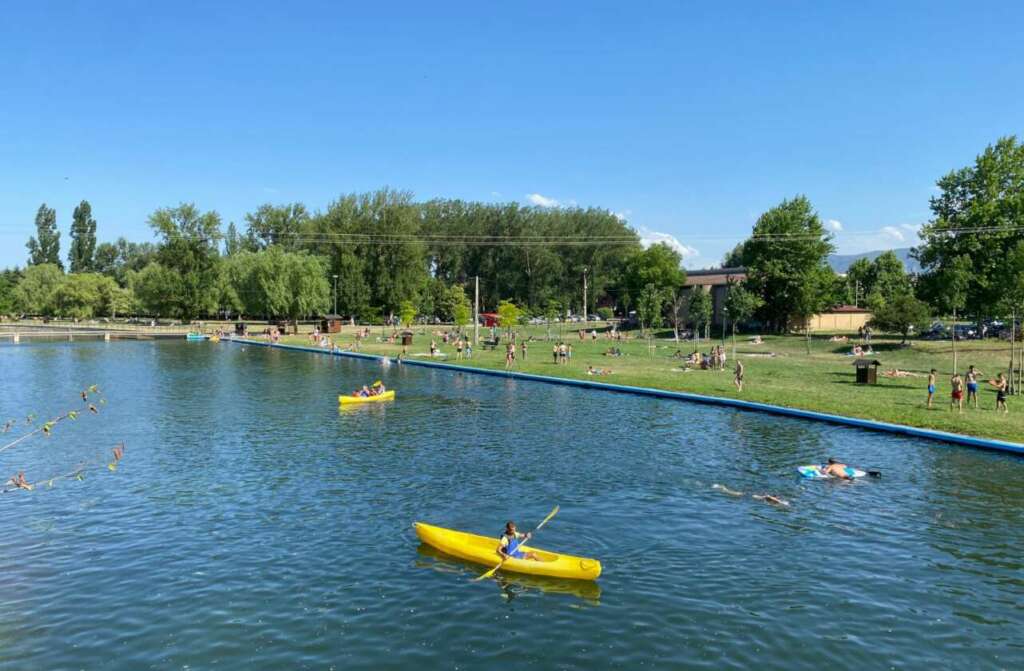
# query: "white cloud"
{"type": "Point", "coordinates": [834, 225]}
{"type": "Point", "coordinates": [913, 228]}
{"type": "Point", "coordinates": [649, 237]}
{"type": "Point", "coordinates": [623, 216]}
{"type": "Point", "coordinates": [893, 232]}
{"type": "Point", "coordinates": [496, 194]}
{"type": "Point", "coordinates": [541, 201]}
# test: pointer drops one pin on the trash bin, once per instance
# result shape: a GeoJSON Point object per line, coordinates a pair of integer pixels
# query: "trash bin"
{"type": "Point", "coordinates": [867, 371]}
{"type": "Point", "coordinates": [240, 328]}
{"type": "Point", "coordinates": [406, 338]}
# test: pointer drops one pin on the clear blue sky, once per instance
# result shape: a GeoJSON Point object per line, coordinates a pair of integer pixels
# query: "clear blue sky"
{"type": "Point", "coordinates": [688, 120]}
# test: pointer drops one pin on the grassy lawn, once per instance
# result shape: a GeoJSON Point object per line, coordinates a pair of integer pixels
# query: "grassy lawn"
{"type": "Point", "coordinates": [779, 371]}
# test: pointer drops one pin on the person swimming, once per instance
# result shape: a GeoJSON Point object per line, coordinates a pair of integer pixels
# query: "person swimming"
{"type": "Point", "coordinates": [510, 542]}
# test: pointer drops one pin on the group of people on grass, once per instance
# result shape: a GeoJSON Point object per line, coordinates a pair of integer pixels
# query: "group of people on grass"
{"type": "Point", "coordinates": [969, 384]}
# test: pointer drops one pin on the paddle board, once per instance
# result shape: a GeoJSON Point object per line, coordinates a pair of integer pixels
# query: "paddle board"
{"type": "Point", "coordinates": [815, 472]}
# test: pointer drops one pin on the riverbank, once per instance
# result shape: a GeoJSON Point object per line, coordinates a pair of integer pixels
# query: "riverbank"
{"type": "Point", "coordinates": [778, 372]}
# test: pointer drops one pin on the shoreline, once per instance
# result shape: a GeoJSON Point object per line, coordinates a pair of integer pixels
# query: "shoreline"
{"type": "Point", "coordinates": [751, 406]}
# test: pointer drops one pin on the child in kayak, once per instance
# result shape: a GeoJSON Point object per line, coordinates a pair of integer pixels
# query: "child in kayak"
{"type": "Point", "coordinates": [511, 540]}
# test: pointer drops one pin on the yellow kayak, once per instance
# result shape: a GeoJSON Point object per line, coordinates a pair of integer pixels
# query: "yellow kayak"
{"type": "Point", "coordinates": [386, 396]}
{"type": "Point", "coordinates": [483, 550]}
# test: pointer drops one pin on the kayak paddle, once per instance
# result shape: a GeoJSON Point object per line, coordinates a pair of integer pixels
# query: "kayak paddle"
{"type": "Point", "coordinates": [553, 512]}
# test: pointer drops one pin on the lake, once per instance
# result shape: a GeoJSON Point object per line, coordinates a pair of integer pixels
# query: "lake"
{"type": "Point", "coordinates": [253, 525]}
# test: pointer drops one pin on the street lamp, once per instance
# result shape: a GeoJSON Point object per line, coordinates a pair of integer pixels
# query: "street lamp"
{"type": "Point", "coordinates": [335, 295]}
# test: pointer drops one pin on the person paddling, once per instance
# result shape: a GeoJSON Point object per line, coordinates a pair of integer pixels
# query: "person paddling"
{"type": "Point", "coordinates": [510, 542]}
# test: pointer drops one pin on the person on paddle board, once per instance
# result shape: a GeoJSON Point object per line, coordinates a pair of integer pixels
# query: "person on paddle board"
{"type": "Point", "coordinates": [511, 540]}
{"type": "Point", "coordinates": [837, 470]}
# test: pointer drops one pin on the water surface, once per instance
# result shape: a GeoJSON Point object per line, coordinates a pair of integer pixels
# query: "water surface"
{"type": "Point", "coordinates": [252, 525]}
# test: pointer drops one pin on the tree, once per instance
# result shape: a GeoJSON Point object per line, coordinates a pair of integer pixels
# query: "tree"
{"type": "Point", "coordinates": [649, 304]}
{"type": "Point", "coordinates": [978, 215]}
{"type": "Point", "coordinates": [234, 242]}
{"type": "Point", "coordinates": [954, 280]}
{"type": "Point", "coordinates": [1013, 304]}
{"type": "Point", "coordinates": [407, 313]}
{"type": "Point", "coordinates": [83, 239]}
{"type": "Point", "coordinates": [901, 314]}
{"type": "Point", "coordinates": [156, 288]}
{"type": "Point", "coordinates": [35, 294]}
{"type": "Point", "coordinates": [888, 280]}
{"type": "Point", "coordinates": [860, 278]}
{"type": "Point", "coordinates": [658, 265]}
{"type": "Point", "coordinates": [8, 281]}
{"type": "Point", "coordinates": [787, 263]}
{"type": "Point", "coordinates": [699, 309]}
{"type": "Point", "coordinates": [508, 315]}
{"type": "Point", "coordinates": [45, 246]}
{"type": "Point", "coordinates": [188, 249]}
{"type": "Point", "coordinates": [740, 305]}
{"type": "Point", "coordinates": [277, 225]}
{"type": "Point", "coordinates": [79, 295]}
{"type": "Point", "coordinates": [462, 311]}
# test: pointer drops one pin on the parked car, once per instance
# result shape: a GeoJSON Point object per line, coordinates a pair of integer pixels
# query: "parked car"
{"type": "Point", "coordinates": [965, 332]}
{"type": "Point", "coordinates": [937, 331]}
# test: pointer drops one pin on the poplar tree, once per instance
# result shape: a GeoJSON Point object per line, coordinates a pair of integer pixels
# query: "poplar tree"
{"type": "Point", "coordinates": [81, 256]}
{"type": "Point", "coordinates": [45, 246]}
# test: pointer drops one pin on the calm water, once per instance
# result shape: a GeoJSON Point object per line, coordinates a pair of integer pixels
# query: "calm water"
{"type": "Point", "coordinates": [253, 526]}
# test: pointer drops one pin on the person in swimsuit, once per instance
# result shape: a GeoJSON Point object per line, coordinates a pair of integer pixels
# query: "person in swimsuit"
{"type": "Point", "coordinates": [972, 386]}
{"type": "Point", "coordinates": [931, 388]}
{"type": "Point", "coordinates": [837, 469]}
{"type": "Point", "coordinates": [957, 398]}
{"type": "Point", "coordinates": [1001, 388]}
{"type": "Point", "coordinates": [738, 375]}
{"type": "Point", "coordinates": [511, 540]}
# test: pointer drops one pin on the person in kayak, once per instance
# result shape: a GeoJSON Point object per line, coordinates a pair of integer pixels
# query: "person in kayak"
{"type": "Point", "coordinates": [362, 393]}
{"type": "Point", "coordinates": [837, 470]}
{"type": "Point", "coordinates": [511, 540]}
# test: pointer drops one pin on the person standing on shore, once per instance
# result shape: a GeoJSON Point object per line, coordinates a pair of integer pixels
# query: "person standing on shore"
{"type": "Point", "coordinates": [738, 375]}
{"type": "Point", "coordinates": [931, 388]}
{"type": "Point", "coordinates": [522, 350]}
{"type": "Point", "coordinates": [957, 397]}
{"type": "Point", "coordinates": [1001, 388]}
{"type": "Point", "coordinates": [510, 354]}
{"type": "Point", "coordinates": [972, 386]}
{"type": "Point", "coordinates": [554, 354]}
{"type": "Point", "coordinates": [458, 349]}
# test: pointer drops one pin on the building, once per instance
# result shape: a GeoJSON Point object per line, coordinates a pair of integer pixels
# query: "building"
{"type": "Point", "coordinates": [841, 318]}
{"type": "Point", "coordinates": [716, 281]}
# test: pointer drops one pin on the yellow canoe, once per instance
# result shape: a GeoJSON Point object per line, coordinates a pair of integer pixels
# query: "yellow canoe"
{"type": "Point", "coordinates": [483, 550]}
{"type": "Point", "coordinates": [386, 396]}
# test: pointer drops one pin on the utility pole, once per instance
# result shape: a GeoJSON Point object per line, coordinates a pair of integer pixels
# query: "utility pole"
{"type": "Point", "coordinates": [476, 314]}
{"type": "Point", "coordinates": [585, 317]}
{"type": "Point", "coordinates": [335, 295]}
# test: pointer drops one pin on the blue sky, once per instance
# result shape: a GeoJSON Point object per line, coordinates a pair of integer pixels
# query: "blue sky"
{"type": "Point", "coordinates": [688, 120]}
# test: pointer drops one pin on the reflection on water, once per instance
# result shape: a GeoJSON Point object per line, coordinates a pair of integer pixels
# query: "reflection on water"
{"type": "Point", "coordinates": [510, 584]}
{"type": "Point", "coordinates": [253, 525]}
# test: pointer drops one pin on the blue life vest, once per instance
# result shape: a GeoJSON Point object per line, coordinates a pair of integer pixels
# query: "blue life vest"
{"type": "Point", "coordinates": [513, 545]}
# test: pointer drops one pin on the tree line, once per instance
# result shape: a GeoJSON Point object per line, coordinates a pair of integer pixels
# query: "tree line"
{"type": "Point", "coordinates": [375, 255]}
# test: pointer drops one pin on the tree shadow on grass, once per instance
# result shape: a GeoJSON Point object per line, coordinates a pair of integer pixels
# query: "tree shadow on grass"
{"type": "Point", "coordinates": [844, 348]}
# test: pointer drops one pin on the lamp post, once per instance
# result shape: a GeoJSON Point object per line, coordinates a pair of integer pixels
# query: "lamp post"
{"type": "Point", "coordinates": [335, 295]}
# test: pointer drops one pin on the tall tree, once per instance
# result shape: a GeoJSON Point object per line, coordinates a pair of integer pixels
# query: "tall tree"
{"type": "Point", "coordinates": [978, 215]}
{"type": "Point", "coordinates": [787, 263]}
{"type": "Point", "coordinates": [83, 239]}
{"type": "Point", "coordinates": [190, 240]}
{"type": "Point", "coordinates": [45, 246]}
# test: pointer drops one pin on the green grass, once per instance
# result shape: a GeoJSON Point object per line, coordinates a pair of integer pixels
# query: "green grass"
{"type": "Point", "coordinates": [823, 381]}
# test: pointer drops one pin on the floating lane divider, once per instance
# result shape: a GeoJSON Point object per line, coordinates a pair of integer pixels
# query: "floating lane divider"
{"type": "Point", "coordinates": [871, 425]}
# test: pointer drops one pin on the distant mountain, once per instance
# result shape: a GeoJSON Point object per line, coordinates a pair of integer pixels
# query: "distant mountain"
{"type": "Point", "coordinates": [841, 262]}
